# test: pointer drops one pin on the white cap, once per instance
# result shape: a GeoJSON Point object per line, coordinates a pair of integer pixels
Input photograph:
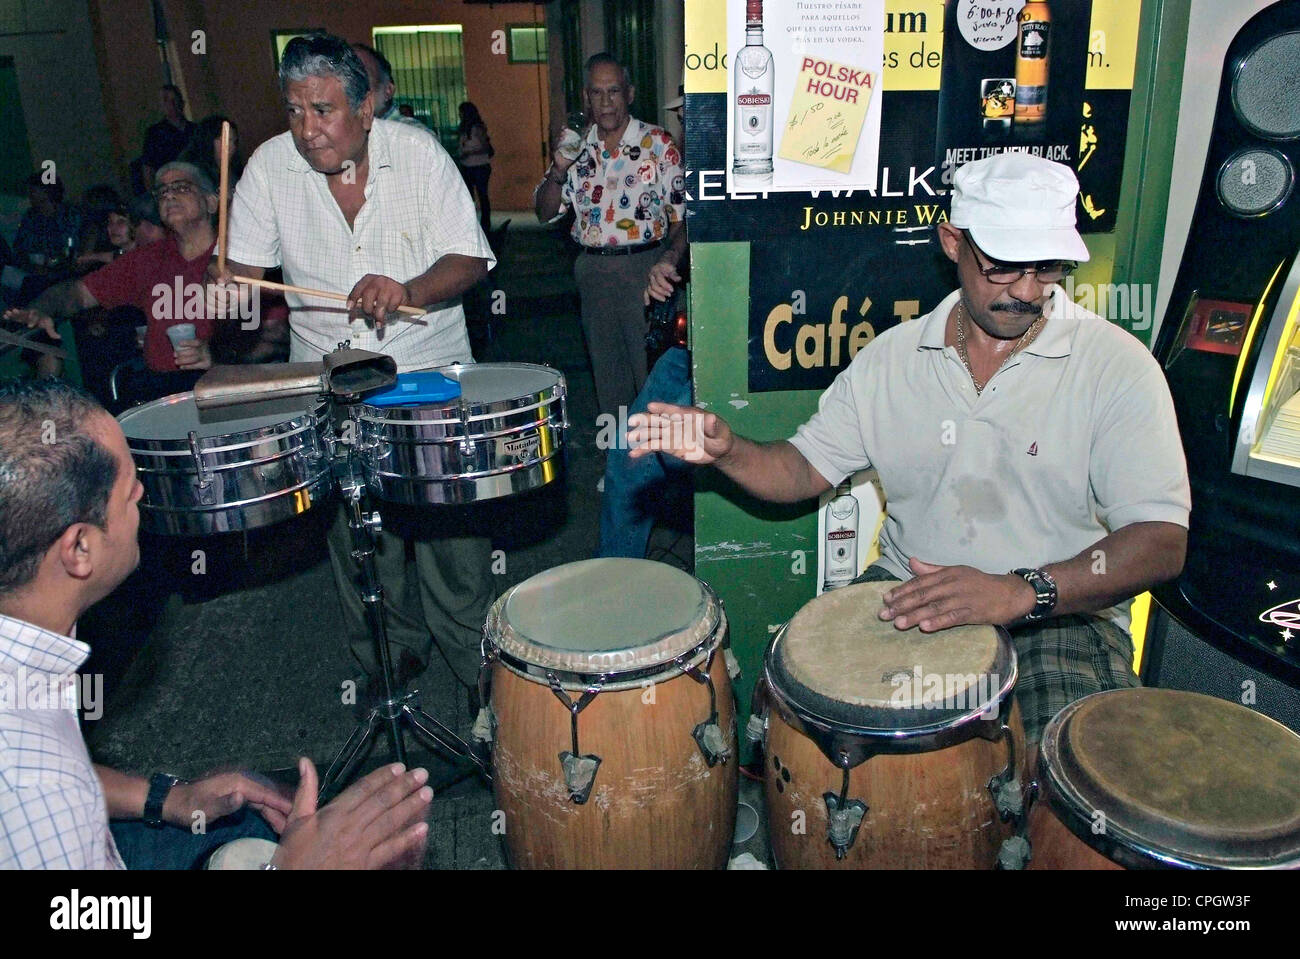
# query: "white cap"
{"type": "Point", "coordinates": [1018, 208]}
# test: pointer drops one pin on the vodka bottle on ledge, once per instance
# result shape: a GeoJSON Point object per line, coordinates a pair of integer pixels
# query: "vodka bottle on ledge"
{"type": "Point", "coordinates": [841, 537]}
{"type": "Point", "coordinates": [755, 80]}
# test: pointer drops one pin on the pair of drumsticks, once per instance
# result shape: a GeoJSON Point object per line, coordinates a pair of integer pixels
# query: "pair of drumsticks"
{"type": "Point", "coordinates": [221, 240]}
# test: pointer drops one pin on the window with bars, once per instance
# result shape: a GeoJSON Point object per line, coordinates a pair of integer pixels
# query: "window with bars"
{"type": "Point", "coordinates": [429, 74]}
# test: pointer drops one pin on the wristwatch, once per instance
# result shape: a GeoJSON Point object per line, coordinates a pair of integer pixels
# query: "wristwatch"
{"type": "Point", "coordinates": [1044, 591]}
{"type": "Point", "coordinates": [160, 784]}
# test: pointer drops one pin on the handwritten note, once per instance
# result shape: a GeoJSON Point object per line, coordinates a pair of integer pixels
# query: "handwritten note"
{"type": "Point", "coordinates": [826, 113]}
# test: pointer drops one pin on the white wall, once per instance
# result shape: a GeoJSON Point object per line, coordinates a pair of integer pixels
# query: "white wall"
{"type": "Point", "coordinates": [1211, 28]}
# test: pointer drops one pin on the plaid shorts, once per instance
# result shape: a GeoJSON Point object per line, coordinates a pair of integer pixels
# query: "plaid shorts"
{"type": "Point", "coordinates": [1060, 660]}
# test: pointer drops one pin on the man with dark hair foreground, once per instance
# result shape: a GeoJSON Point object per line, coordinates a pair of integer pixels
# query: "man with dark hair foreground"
{"type": "Point", "coordinates": [68, 520]}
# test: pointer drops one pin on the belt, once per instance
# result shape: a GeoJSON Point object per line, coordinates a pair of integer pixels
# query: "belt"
{"type": "Point", "coordinates": [621, 250]}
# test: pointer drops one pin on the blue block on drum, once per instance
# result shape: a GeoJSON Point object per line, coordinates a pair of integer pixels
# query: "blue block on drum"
{"type": "Point", "coordinates": [425, 386]}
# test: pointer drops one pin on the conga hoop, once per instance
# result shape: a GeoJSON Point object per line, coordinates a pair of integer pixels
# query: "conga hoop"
{"type": "Point", "coordinates": [855, 743]}
{"type": "Point", "coordinates": [699, 655]}
{"type": "Point", "coordinates": [1123, 842]}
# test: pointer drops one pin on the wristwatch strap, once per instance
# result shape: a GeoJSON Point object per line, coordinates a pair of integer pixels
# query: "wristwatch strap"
{"type": "Point", "coordinates": [160, 784]}
{"type": "Point", "coordinates": [1044, 591]}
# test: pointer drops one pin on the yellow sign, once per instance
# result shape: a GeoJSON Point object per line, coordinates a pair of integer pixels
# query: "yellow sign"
{"type": "Point", "coordinates": [706, 46]}
{"type": "Point", "coordinates": [913, 44]}
{"type": "Point", "coordinates": [1112, 44]}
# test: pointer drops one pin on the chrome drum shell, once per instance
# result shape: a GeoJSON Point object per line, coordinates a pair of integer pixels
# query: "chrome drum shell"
{"type": "Point", "coordinates": [503, 435]}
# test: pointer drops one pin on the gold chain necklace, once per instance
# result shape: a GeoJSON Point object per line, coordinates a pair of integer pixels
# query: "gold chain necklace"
{"type": "Point", "coordinates": [1028, 335]}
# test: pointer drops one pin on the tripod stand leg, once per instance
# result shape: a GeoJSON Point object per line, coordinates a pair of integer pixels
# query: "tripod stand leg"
{"type": "Point", "coordinates": [349, 753]}
{"type": "Point", "coordinates": [448, 740]}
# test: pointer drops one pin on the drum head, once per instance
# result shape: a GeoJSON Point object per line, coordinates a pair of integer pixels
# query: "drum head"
{"type": "Point", "coordinates": [604, 616]}
{"type": "Point", "coordinates": [173, 417]}
{"type": "Point", "coordinates": [1187, 778]}
{"type": "Point", "coordinates": [837, 661]}
{"type": "Point", "coordinates": [493, 382]}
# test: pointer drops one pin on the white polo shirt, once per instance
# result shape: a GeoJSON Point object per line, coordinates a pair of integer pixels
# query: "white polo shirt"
{"type": "Point", "coordinates": [416, 211]}
{"type": "Point", "coordinates": [1074, 438]}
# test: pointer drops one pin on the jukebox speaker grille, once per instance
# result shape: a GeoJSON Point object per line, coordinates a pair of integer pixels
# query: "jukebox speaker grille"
{"type": "Point", "coordinates": [1255, 181]}
{"type": "Point", "coordinates": [1264, 90]}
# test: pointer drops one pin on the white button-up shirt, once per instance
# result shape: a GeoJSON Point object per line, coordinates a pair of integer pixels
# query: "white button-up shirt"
{"type": "Point", "coordinates": [52, 809]}
{"type": "Point", "coordinates": [416, 211]}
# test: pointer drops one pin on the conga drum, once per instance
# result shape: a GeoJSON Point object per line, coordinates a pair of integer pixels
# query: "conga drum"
{"type": "Point", "coordinates": [615, 737]}
{"type": "Point", "coordinates": [1161, 778]}
{"type": "Point", "coordinates": [885, 748]}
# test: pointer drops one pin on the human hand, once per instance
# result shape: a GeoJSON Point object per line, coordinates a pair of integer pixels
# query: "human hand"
{"type": "Point", "coordinates": [193, 355]}
{"type": "Point", "coordinates": [375, 822]}
{"type": "Point", "coordinates": [223, 794]}
{"type": "Point", "coordinates": [376, 296]}
{"type": "Point", "coordinates": [659, 284]}
{"type": "Point", "coordinates": [943, 596]}
{"type": "Point", "coordinates": [686, 432]}
{"type": "Point", "coordinates": [222, 292]}
{"type": "Point", "coordinates": [33, 319]}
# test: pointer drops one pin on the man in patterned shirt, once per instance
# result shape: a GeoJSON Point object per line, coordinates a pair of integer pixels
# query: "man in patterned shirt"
{"type": "Point", "coordinates": [68, 520]}
{"type": "Point", "coordinates": [626, 187]}
{"type": "Point", "coordinates": [377, 210]}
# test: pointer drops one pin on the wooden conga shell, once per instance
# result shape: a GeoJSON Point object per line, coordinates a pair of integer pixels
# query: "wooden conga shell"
{"type": "Point", "coordinates": [629, 628]}
{"type": "Point", "coordinates": [914, 704]}
{"type": "Point", "coordinates": [655, 804]}
{"type": "Point", "coordinates": [924, 811]}
{"type": "Point", "coordinates": [1055, 847]}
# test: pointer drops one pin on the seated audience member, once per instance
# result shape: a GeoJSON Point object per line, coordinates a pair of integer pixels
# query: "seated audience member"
{"type": "Point", "coordinates": [69, 516]}
{"type": "Point", "coordinates": [46, 242]}
{"type": "Point", "coordinates": [149, 278]}
{"type": "Point", "coordinates": [146, 222]}
{"type": "Point", "coordinates": [108, 235]}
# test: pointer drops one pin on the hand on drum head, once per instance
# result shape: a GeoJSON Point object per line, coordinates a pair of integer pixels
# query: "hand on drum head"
{"type": "Point", "coordinates": [686, 432]}
{"type": "Point", "coordinates": [376, 822]}
{"type": "Point", "coordinates": [940, 597]}
{"type": "Point", "coordinates": [375, 297]}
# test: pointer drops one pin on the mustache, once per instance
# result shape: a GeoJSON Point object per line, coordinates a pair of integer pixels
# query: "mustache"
{"type": "Point", "coordinates": [1015, 306]}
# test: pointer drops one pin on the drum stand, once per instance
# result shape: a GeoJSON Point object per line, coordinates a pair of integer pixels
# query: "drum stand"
{"type": "Point", "coordinates": [397, 707]}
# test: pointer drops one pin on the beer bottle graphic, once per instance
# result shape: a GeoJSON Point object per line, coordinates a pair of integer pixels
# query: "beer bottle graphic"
{"type": "Point", "coordinates": [1032, 62]}
{"type": "Point", "coordinates": [841, 537]}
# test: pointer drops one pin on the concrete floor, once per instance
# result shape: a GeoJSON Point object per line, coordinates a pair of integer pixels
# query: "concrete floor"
{"type": "Point", "coordinates": [242, 666]}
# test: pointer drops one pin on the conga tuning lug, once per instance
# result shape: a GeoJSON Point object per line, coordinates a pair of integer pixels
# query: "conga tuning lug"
{"type": "Point", "coordinates": [843, 822]}
{"type": "Point", "coordinates": [713, 745]}
{"type": "Point", "coordinates": [579, 775]}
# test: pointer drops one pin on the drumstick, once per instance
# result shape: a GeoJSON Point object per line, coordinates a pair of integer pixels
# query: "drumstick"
{"type": "Point", "coordinates": [221, 198]}
{"type": "Point", "coordinates": [287, 288]}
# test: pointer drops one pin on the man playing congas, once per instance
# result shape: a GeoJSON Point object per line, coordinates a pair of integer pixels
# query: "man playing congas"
{"type": "Point", "coordinates": [345, 202]}
{"type": "Point", "coordinates": [1028, 448]}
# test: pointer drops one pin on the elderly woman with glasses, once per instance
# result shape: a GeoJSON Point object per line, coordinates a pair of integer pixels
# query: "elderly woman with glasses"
{"type": "Point", "coordinates": [165, 280]}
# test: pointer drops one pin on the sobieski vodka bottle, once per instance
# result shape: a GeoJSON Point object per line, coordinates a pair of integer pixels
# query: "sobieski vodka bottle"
{"type": "Point", "coordinates": [841, 537]}
{"type": "Point", "coordinates": [755, 80]}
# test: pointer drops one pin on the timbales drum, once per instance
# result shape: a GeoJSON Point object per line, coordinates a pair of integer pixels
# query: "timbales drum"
{"type": "Point", "coordinates": [1162, 778]}
{"type": "Point", "coordinates": [502, 435]}
{"type": "Point", "coordinates": [615, 725]}
{"type": "Point", "coordinates": [887, 748]}
{"type": "Point", "coordinates": [203, 474]}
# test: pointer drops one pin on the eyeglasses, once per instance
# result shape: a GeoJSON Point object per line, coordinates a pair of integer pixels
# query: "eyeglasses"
{"type": "Point", "coordinates": [1004, 274]}
{"type": "Point", "coordinates": [176, 188]}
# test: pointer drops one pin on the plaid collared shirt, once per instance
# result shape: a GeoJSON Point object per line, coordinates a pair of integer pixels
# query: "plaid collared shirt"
{"type": "Point", "coordinates": [416, 211]}
{"type": "Point", "coordinates": [52, 809]}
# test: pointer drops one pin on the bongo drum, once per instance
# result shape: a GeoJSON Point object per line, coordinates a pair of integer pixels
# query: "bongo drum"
{"type": "Point", "coordinates": [885, 748]}
{"type": "Point", "coordinates": [246, 853]}
{"type": "Point", "coordinates": [615, 726]}
{"type": "Point", "coordinates": [1161, 778]}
